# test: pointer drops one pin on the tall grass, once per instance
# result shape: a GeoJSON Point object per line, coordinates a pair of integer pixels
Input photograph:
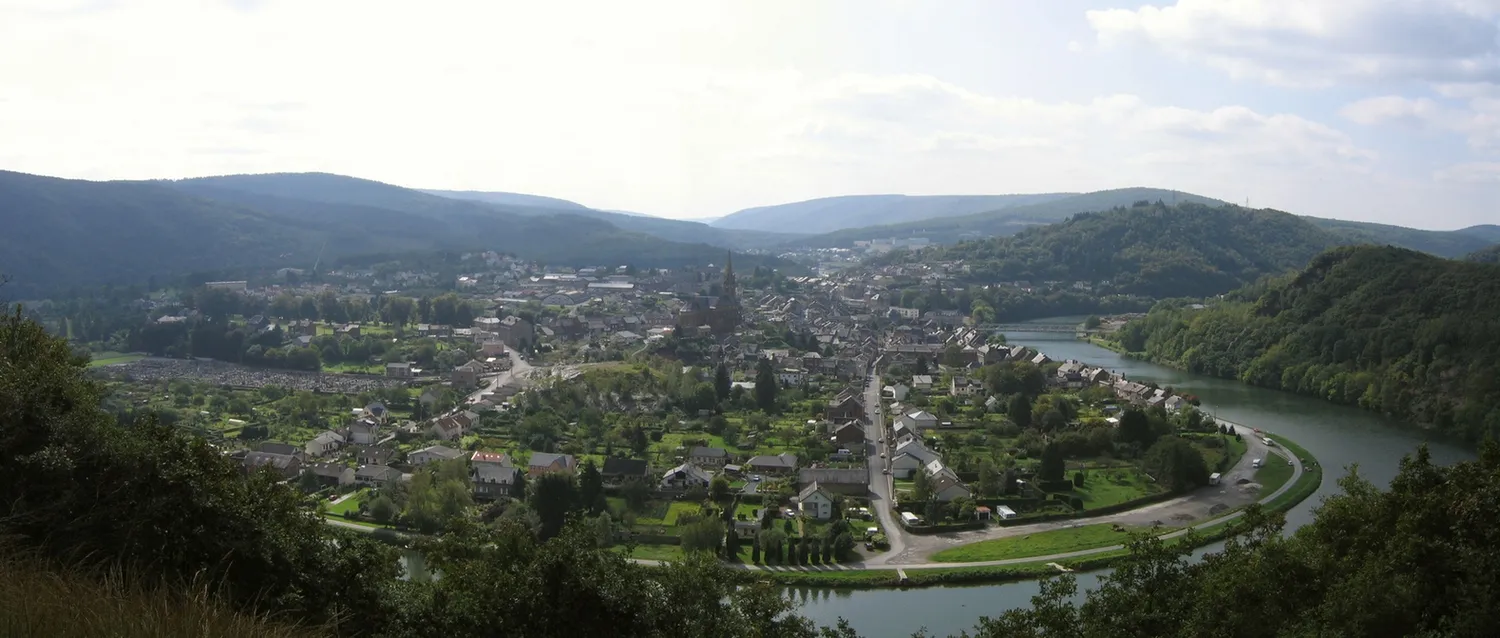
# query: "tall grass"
{"type": "Point", "coordinates": [44, 600]}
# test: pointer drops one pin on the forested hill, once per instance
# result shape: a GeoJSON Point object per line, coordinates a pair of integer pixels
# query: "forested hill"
{"type": "Point", "coordinates": [829, 214]}
{"type": "Point", "coordinates": [1147, 249]}
{"type": "Point", "coordinates": [1489, 255]}
{"type": "Point", "coordinates": [60, 233]}
{"type": "Point", "coordinates": [1443, 243]}
{"type": "Point", "coordinates": [1384, 328]}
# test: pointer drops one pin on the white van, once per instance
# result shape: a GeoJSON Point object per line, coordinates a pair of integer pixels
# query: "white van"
{"type": "Point", "coordinates": [1258, 463]}
{"type": "Point", "coordinates": [1213, 479]}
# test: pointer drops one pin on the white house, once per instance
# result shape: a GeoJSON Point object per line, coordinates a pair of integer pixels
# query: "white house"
{"type": "Point", "coordinates": [364, 432]}
{"type": "Point", "coordinates": [911, 456]}
{"type": "Point", "coordinates": [937, 471]}
{"type": "Point", "coordinates": [922, 382]}
{"type": "Point", "coordinates": [686, 476]}
{"type": "Point", "coordinates": [493, 474]}
{"type": "Point", "coordinates": [947, 488]}
{"type": "Point", "coordinates": [790, 376]}
{"type": "Point", "coordinates": [433, 454]}
{"type": "Point", "coordinates": [918, 421]}
{"type": "Point", "coordinates": [897, 392]}
{"type": "Point", "coordinates": [814, 502]}
{"type": "Point", "coordinates": [323, 444]}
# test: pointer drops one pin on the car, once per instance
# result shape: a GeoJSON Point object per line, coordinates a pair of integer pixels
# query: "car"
{"type": "Point", "coordinates": [882, 455]}
{"type": "Point", "coordinates": [755, 477]}
{"type": "Point", "coordinates": [333, 497]}
{"type": "Point", "coordinates": [886, 471]}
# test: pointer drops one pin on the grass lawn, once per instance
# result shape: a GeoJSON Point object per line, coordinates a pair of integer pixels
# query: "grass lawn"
{"type": "Point", "coordinates": [111, 358]}
{"type": "Point", "coordinates": [1273, 474]}
{"type": "Point", "coordinates": [1112, 486]}
{"type": "Point", "coordinates": [664, 515]}
{"type": "Point", "coordinates": [347, 367]}
{"type": "Point", "coordinates": [1039, 544]}
{"type": "Point", "coordinates": [350, 504]}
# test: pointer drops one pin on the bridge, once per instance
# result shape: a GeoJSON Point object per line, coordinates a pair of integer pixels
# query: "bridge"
{"type": "Point", "coordinates": [1067, 328]}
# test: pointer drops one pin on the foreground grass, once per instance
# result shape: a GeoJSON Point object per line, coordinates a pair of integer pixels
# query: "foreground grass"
{"type": "Point", "coordinates": [1059, 541]}
{"type": "Point", "coordinates": [1113, 486]}
{"type": "Point", "coordinates": [45, 602]}
{"type": "Point", "coordinates": [1274, 474]}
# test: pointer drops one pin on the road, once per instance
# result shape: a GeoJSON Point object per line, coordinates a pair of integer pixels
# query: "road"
{"type": "Point", "coordinates": [518, 373]}
{"type": "Point", "coordinates": [881, 486]}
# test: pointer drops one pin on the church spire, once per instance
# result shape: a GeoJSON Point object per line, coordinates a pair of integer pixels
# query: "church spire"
{"type": "Point", "coordinates": [730, 289]}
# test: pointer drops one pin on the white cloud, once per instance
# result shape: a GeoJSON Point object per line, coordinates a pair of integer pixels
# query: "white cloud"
{"type": "Point", "coordinates": [1319, 42]}
{"type": "Point", "coordinates": [1487, 173]}
{"type": "Point", "coordinates": [1478, 121]}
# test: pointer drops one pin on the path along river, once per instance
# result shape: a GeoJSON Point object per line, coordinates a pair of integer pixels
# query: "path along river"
{"type": "Point", "coordinates": [1338, 436]}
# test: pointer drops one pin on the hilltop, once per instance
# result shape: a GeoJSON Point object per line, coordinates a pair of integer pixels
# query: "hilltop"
{"type": "Point", "coordinates": [1004, 221]}
{"type": "Point", "coordinates": [1148, 249]}
{"type": "Point", "coordinates": [1489, 255]}
{"type": "Point", "coordinates": [64, 233]}
{"type": "Point", "coordinates": [1384, 328]}
{"type": "Point", "coordinates": [831, 214]}
{"type": "Point", "coordinates": [1443, 243]}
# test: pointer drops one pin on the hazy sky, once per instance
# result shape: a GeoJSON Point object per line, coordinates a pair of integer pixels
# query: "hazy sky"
{"type": "Point", "coordinates": [1381, 110]}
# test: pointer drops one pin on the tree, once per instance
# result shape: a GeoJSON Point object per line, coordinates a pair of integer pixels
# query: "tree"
{"type": "Point", "coordinates": [383, 510]}
{"type": "Point", "coordinates": [1053, 465]}
{"type": "Point", "coordinates": [1176, 464]}
{"type": "Point", "coordinates": [1135, 428]}
{"type": "Point", "coordinates": [1020, 410]}
{"type": "Point", "coordinates": [921, 486]}
{"type": "Point", "coordinates": [553, 496]}
{"type": "Point", "coordinates": [636, 493]}
{"type": "Point", "coordinates": [766, 386]}
{"type": "Point", "coordinates": [718, 489]}
{"type": "Point", "coordinates": [990, 480]}
{"type": "Point", "coordinates": [755, 551]}
{"type": "Point", "coordinates": [731, 542]}
{"type": "Point", "coordinates": [921, 365]}
{"type": "Point", "coordinates": [722, 382]}
{"type": "Point", "coordinates": [1078, 479]}
{"type": "Point", "coordinates": [591, 487]}
{"type": "Point", "coordinates": [701, 533]}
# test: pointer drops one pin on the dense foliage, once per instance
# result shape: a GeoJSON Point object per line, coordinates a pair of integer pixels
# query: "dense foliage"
{"type": "Point", "coordinates": [1386, 329]}
{"type": "Point", "coordinates": [1417, 560]}
{"type": "Point", "coordinates": [1148, 249]}
{"type": "Point", "coordinates": [1443, 243]}
{"type": "Point", "coordinates": [62, 233]}
{"type": "Point", "coordinates": [1489, 255]}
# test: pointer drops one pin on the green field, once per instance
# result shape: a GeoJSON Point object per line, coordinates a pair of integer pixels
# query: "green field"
{"type": "Point", "coordinates": [111, 358]}
{"type": "Point", "coordinates": [350, 504]}
{"type": "Point", "coordinates": [1273, 474]}
{"type": "Point", "coordinates": [1040, 544]}
{"type": "Point", "coordinates": [1112, 486]}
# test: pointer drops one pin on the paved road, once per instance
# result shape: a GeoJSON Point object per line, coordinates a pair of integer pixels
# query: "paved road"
{"type": "Point", "coordinates": [881, 488]}
{"type": "Point", "coordinates": [518, 373]}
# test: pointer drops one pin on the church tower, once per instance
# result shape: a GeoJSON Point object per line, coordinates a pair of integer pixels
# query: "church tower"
{"type": "Point", "coordinates": [730, 293]}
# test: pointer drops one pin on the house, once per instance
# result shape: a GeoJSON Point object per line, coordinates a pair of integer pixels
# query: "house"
{"type": "Point", "coordinates": [782, 463]}
{"type": "Point", "coordinates": [376, 412]}
{"type": "Point", "coordinates": [708, 456]}
{"type": "Point", "coordinates": [936, 470]}
{"type": "Point", "coordinates": [364, 432]}
{"type": "Point", "coordinates": [285, 465]}
{"type": "Point", "coordinates": [373, 455]}
{"type": "Point", "coordinates": [910, 457]}
{"type": "Point", "coordinates": [746, 529]}
{"type": "Point", "coordinates": [897, 392]}
{"type": "Point", "coordinates": [790, 376]}
{"type": "Point", "coordinates": [922, 382]}
{"type": "Point", "coordinates": [850, 482]}
{"type": "Point", "coordinates": [616, 471]}
{"type": "Point", "coordinates": [963, 386]}
{"type": "Point", "coordinates": [274, 447]}
{"type": "Point", "coordinates": [376, 475]}
{"type": "Point", "coordinates": [916, 422]}
{"type": "Point", "coordinates": [467, 375]}
{"type": "Point", "coordinates": [685, 477]}
{"type": "Point", "coordinates": [1175, 403]}
{"type": "Point", "coordinates": [545, 462]}
{"type": "Point", "coordinates": [948, 488]}
{"type": "Point", "coordinates": [515, 332]}
{"type": "Point", "coordinates": [493, 475]}
{"type": "Point", "coordinates": [814, 502]}
{"type": "Point", "coordinates": [845, 407]}
{"type": "Point", "coordinates": [849, 433]}
{"type": "Point", "coordinates": [447, 428]}
{"type": "Point", "coordinates": [432, 454]}
{"type": "Point", "coordinates": [330, 474]}
{"type": "Point", "coordinates": [398, 370]}
{"type": "Point", "coordinates": [324, 444]}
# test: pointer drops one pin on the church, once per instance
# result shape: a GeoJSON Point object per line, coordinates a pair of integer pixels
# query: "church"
{"type": "Point", "coordinates": [722, 313]}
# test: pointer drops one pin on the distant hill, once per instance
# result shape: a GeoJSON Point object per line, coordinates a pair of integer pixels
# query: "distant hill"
{"type": "Point", "coordinates": [61, 233]}
{"type": "Point", "coordinates": [671, 229]}
{"type": "Point", "coordinates": [1489, 255]}
{"type": "Point", "coordinates": [1152, 249]}
{"type": "Point", "coordinates": [1005, 221]}
{"type": "Point", "coordinates": [853, 211]}
{"type": "Point", "coordinates": [1487, 232]}
{"type": "Point", "coordinates": [1387, 329]}
{"type": "Point", "coordinates": [508, 199]}
{"type": "Point", "coordinates": [1443, 243]}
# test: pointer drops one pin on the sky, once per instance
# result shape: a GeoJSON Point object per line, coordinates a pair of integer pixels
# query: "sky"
{"type": "Point", "coordinates": [1374, 110]}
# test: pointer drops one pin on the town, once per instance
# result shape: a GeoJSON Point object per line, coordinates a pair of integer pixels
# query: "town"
{"type": "Point", "coordinates": [768, 419]}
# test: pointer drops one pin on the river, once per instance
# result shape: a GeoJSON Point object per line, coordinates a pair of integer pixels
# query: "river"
{"type": "Point", "coordinates": [1338, 436]}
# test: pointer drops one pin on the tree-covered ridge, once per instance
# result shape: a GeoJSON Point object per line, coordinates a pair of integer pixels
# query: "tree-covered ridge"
{"type": "Point", "coordinates": [1149, 249]}
{"type": "Point", "coordinates": [62, 233]}
{"type": "Point", "coordinates": [1384, 328]}
{"type": "Point", "coordinates": [1443, 243]}
{"type": "Point", "coordinates": [1489, 255]}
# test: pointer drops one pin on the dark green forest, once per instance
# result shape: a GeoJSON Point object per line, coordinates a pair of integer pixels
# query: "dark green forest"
{"type": "Point", "coordinates": [152, 505]}
{"type": "Point", "coordinates": [1489, 255]}
{"type": "Point", "coordinates": [61, 234]}
{"type": "Point", "coordinates": [1386, 329]}
{"type": "Point", "coordinates": [1148, 249]}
